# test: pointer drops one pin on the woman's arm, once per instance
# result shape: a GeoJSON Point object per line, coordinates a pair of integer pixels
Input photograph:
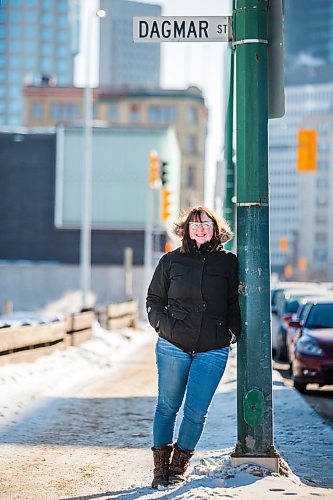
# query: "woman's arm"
{"type": "Point", "coordinates": [234, 317]}
{"type": "Point", "coordinates": [157, 296]}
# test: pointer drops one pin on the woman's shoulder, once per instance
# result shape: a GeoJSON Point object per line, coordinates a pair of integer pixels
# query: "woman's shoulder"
{"type": "Point", "coordinates": [227, 253]}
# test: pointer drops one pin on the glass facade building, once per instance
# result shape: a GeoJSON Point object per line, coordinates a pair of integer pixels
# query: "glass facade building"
{"type": "Point", "coordinates": [123, 62]}
{"type": "Point", "coordinates": [35, 38]}
{"type": "Point", "coordinates": [308, 39]}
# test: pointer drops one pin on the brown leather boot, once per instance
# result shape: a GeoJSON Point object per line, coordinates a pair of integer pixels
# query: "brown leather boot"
{"type": "Point", "coordinates": [161, 465]}
{"type": "Point", "coordinates": [179, 463]}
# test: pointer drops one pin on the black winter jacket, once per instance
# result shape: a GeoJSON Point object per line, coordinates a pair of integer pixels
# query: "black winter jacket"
{"type": "Point", "coordinates": [192, 299]}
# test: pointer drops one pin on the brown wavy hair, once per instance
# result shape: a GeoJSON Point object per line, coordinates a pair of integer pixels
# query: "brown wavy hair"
{"type": "Point", "coordinates": [222, 232]}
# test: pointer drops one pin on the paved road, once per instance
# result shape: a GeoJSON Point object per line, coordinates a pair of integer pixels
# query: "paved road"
{"type": "Point", "coordinates": [320, 399]}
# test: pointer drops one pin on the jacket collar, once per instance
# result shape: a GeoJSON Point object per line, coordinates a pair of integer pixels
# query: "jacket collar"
{"type": "Point", "coordinates": [202, 250]}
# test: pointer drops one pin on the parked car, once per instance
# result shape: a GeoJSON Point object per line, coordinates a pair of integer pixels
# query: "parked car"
{"type": "Point", "coordinates": [288, 303]}
{"type": "Point", "coordinates": [312, 360]}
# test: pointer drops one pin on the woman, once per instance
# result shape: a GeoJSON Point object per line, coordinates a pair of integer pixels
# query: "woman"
{"type": "Point", "coordinates": [192, 303]}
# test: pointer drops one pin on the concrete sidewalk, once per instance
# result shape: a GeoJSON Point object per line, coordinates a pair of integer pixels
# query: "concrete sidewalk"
{"type": "Point", "coordinates": [302, 437]}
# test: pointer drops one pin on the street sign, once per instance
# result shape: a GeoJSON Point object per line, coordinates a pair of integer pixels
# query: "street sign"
{"type": "Point", "coordinates": [182, 29]}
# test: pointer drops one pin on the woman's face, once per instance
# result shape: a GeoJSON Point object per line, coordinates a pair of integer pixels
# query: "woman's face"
{"type": "Point", "coordinates": [201, 231]}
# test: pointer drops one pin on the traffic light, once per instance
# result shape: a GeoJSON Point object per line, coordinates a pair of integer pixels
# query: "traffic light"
{"type": "Point", "coordinates": [153, 168]}
{"type": "Point", "coordinates": [288, 271]}
{"type": "Point", "coordinates": [283, 244]}
{"type": "Point", "coordinates": [168, 247]}
{"type": "Point", "coordinates": [302, 263]}
{"type": "Point", "coordinates": [165, 204]}
{"type": "Point", "coordinates": [164, 173]}
{"type": "Point", "coordinates": [306, 150]}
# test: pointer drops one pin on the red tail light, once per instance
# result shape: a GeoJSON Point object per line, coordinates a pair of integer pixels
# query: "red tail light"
{"type": "Point", "coordinates": [285, 320]}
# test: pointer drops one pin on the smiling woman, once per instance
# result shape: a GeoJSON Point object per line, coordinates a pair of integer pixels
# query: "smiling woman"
{"type": "Point", "coordinates": [192, 303]}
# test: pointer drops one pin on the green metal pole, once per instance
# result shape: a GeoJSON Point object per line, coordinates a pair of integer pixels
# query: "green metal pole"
{"type": "Point", "coordinates": [254, 401]}
{"type": "Point", "coordinates": [228, 205]}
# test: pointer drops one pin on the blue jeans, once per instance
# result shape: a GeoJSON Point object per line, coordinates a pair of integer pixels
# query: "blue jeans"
{"type": "Point", "coordinates": [199, 374]}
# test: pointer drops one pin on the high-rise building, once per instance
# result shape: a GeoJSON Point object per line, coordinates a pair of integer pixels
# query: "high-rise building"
{"type": "Point", "coordinates": [35, 46]}
{"type": "Point", "coordinates": [315, 232]}
{"type": "Point", "coordinates": [303, 103]}
{"type": "Point", "coordinates": [308, 37]}
{"type": "Point", "coordinates": [123, 62]}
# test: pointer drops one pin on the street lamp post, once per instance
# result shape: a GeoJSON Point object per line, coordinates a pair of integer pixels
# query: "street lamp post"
{"type": "Point", "coordinates": [85, 235]}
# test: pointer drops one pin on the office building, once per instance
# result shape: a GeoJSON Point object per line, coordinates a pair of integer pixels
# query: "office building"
{"type": "Point", "coordinates": [308, 36]}
{"type": "Point", "coordinates": [183, 109]}
{"type": "Point", "coordinates": [123, 62]}
{"type": "Point", "coordinates": [35, 47]}
{"type": "Point", "coordinates": [287, 186]}
{"type": "Point", "coordinates": [316, 204]}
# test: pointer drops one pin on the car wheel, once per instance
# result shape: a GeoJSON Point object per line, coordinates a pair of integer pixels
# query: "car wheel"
{"type": "Point", "coordinates": [300, 386]}
{"type": "Point", "coordinates": [281, 353]}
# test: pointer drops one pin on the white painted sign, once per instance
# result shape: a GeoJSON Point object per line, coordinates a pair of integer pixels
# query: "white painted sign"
{"type": "Point", "coordinates": [182, 29]}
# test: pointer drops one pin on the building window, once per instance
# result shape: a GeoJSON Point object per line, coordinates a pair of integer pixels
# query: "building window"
{"type": "Point", "coordinates": [320, 254]}
{"type": "Point", "coordinates": [323, 128]}
{"type": "Point", "coordinates": [16, 31]}
{"type": "Point", "coordinates": [15, 61]}
{"type": "Point", "coordinates": [64, 111]}
{"type": "Point", "coordinates": [46, 19]}
{"type": "Point", "coordinates": [62, 36]}
{"type": "Point", "coordinates": [321, 236]}
{"type": "Point", "coordinates": [162, 114]}
{"type": "Point", "coordinates": [323, 165]}
{"type": "Point", "coordinates": [32, 32]}
{"type": "Point", "coordinates": [95, 111]}
{"type": "Point", "coordinates": [321, 200]}
{"type": "Point", "coordinates": [16, 17]}
{"type": "Point", "coordinates": [191, 143]}
{"type": "Point", "coordinates": [46, 34]}
{"type": "Point", "coordinates": [190, 177]}
{"type": "Point", "coordinates": [36, 111]}
{"type": "Point", "coordinates": [321, 219]}
{"type": "Point", "coordinates": [322, 183]}
{"type": "Point", "coordinates": [323, 147]}
{"type": "Point", "coordinates": [31, 17]}
{"type": "Point", "coordinates": [62, 22]}
{"type": "Point", "coordinates": [30, 47]}
{"type": "Point", "coordinates": [135, 113]}
{"type": "Point", "coordinates": [192, 114]}
{"type": "Point", "coordinates": [113, 112]}
{"type": "Point", "coordinates": [47, 4]}
{"type": "Point", "coordinates": [15, 47]}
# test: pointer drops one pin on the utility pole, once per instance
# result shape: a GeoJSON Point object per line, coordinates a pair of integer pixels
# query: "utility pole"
{"type": "Point", "coordinates": [254, 399]}
{"type": "Point", "coordinates": [228, 205]}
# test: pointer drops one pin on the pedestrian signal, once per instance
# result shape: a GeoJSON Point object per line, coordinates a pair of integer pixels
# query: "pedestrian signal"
{"type": "Point", "coordinates": [165, 204]}
{"type": "Point", "coordinates": [164, 173]}
{"type": "Point", "coordinates": [283, 244]}
{"type": "Point", "coordinates": [306, 150]}
{"type": "Point", "coordinates": [153, 168]}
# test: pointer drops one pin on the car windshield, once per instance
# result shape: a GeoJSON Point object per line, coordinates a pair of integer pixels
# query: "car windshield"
{"type": "Point", "coordinates": [292, 306]}
{"type": "Point", "coordinates": [321, 316]}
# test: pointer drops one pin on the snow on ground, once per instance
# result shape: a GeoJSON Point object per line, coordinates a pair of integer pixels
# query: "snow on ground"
{"type": "Point", "coordinates": [302, 437]}
{"type": "Point", "coordinates": [23, 384]}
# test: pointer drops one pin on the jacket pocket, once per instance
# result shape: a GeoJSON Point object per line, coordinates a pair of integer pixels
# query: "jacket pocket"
{"type": "Point", "coordinates": [177, 313]}
{"type": "Point", "coordinates": [222, 332]}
